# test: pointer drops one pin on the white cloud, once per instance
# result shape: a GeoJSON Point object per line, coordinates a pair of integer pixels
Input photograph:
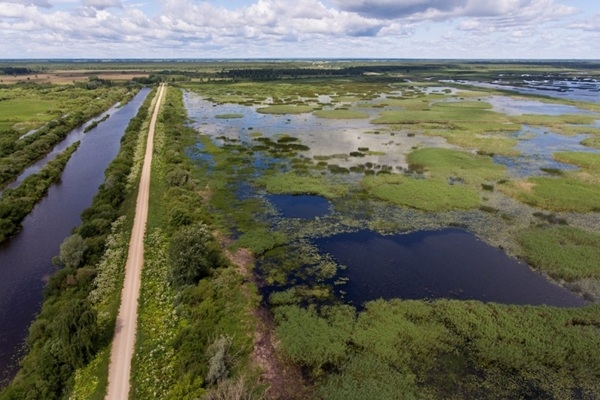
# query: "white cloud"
{"type": "Point", "coordinates": [36, 3]}
{"type": "Point", "coordinates": [590, 24]}
{"type": "Point", "coordinates": [276, 28]}
{"type": "Point", "coordinates": [448, 9]}
{"type": "Point", "coordinates": [102, 4]}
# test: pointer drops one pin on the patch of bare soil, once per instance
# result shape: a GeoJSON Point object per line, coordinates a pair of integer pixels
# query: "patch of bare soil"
{"type": "Point", "coordinates": [283, 378]}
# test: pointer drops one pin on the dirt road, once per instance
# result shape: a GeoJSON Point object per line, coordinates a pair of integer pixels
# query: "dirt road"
{"type": "Point", "coordinates": [124, 339]}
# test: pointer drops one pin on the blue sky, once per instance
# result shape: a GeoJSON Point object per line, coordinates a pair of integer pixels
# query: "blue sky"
{"type": "Point", "coordinates": [490, 29]}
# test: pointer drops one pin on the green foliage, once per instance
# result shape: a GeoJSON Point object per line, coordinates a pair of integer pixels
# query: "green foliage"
{"type": "Point", "coordinates": [66, 335]}
{"type": "Point", "coordinates": [74, 107]}
{"type": "Point", "coordinates": [445, 349]}
{"type": "Point", "coordinates": [423, 194]}
{"type": "Point", "coordinates": [260, 240]}
{"type": "Point", "coordinates": [71, 251]}
{"type": "Point", "coordinates": [219, 359]}
{"type": "Point", "coordinates": [17, 203]}
{"type": "Point", "coordinates": [565, 193]}
{"type": "Point", "coordinates": [315, 339]}
{"type": "Point", "coordinates": [153, 364]}
{"type": "Point", "coordinates": [587, 161]}
{"type": "Point", "coordinates": [291, 183]}
{"type": "Point", "coordinates": [192, 255]}
{"type": "Point", "coordinates": [563, 252]}
{"type": "Point", "coordinates": [229, 116]}
{"type": "Point", "coordinates": [443, 164]}
{"type": "Point", "coordinates": [366, 377]}
{"type": "Point", "coordinates": [179, 316]}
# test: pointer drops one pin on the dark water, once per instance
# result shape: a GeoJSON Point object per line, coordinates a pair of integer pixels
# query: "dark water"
{"type": "Point", "coordinates": [25, 260]}
{"type": "Point", "coordinates": [305, 206]}
{"type": "Point", "coordinates": [449, 263]}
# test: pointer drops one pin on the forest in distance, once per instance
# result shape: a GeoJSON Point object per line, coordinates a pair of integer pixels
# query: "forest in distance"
{"type": "Point", "coordinates": [327, 229]}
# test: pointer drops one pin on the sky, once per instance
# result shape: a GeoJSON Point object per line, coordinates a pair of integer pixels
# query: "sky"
{"type": "Point", "coordinates": [422, 29]}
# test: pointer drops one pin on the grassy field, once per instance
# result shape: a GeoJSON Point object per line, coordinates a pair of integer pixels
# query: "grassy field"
{"type": "Point", "coordinates": [563, 252]}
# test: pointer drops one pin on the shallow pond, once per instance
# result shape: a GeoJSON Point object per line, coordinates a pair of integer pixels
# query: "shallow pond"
{"type": "Point", "coordinates": [581, 90]}
{"type": "Point", "coordinates": [449, 263]}
{"type": "Point", "coordinates": [537, 145]}
{"type": "Point", "coordinates": [335, 138]}
{"type": "Point", "coordinates": [510, 106]}
{"type": "Point", "coordinates": [304, 206]}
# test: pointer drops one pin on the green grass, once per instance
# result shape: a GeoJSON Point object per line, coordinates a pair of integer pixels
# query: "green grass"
{"type": "Point", "coordinates": [229, 116]}
{"type": "Point", "coordinates": [556, 194]}
{"type": "Point", "coordinates": [586, 161]}
{"type": "Point", "coordinates": [469, 124]}
{"type": "Point", "coordinates": [33, 111]}
{"type": "Point", "coordinates": [340, 114]}
{"type": "Point", "coordinates": [466, 111]}
{"type": "Point", "coordinates": [562, 252]}
{"type": "Point", "coordinates": [557, 123]}
{"type": "Point", "coordinates": [446, 163]}
{"type": "Point", "coordinates": [290, 183]}
{"type": "Point", "coordinates": [421, 194]}
{"type": "Point", "coordinates": [593, 141]}
{"type": "Point", "coordinates": [444, 349]}
{"type": "Point", "coordinates": [285, 109]}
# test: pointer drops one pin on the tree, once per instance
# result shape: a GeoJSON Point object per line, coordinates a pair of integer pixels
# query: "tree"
{"type": "Point", "coordinates": [71, 251]}
{"type": "Point", "coordinates": [193, 254]}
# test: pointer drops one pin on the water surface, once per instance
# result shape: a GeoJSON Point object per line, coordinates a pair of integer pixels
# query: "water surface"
{"type": "Point", "coordinates": [537, 146]}
{"type": "Point", "coordinates": [449, 263]}
{"type": "Point", "coordinates": [26, 259]}
{"type": "Point", "coordinates": [303, 206]}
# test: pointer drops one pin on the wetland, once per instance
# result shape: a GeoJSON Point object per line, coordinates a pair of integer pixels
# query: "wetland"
{"type": "Point", "coordinates": [373, 198]}
{"type": "Point", "coordinates": [354, 231]}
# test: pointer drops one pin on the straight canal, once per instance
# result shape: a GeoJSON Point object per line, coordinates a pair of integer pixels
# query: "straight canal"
{"type": "Point", "coordinates": [26, 259]}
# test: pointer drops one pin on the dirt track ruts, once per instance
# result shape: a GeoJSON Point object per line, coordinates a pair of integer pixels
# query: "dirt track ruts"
{"type": "Point", "coordinates": [124, 340]}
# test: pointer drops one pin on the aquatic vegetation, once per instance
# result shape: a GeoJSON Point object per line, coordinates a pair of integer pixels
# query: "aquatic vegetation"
{"type": "Point", "coordinates": [422, 194]}
{"type": "Point", "coordinates": [562, 252]}
{"type": "Point", "coordinates": [556, 123]}
{"type": "Point", "coordinates": [564, 193]}
{"type": "Point", "coordinates": [229, 116]}
{"type": "Point", "coordinates": [586, 161]}
{"type": "Point", "coordinates": [285, 109]}
{"type": "Point", "coordinates": [438, 349]}
{"type": "Point", "coordinates": [443, 164]}
{"type": "Point", "coordinates": [292, 183]}
{"type": "Point", "coordinates": [340, 114]}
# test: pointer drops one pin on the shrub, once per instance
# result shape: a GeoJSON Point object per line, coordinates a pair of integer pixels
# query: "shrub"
{"type": "Point", "coordinates": [193, 254]}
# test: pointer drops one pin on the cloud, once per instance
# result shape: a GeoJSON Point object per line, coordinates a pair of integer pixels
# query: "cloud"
{"type": "Point", "coordinates": [450, 9]}
{"type": "Point", "coordinates": [392, 9]}
{"type": "Point", "coordinates": [102, 4]}
{"type": "Point", "coordinates": [590, 24]}
{"type": "Point", "coordinates": [36, 3]}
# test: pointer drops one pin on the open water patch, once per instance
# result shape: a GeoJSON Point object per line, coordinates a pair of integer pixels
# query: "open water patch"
{"type": "Point", "coordinates": [537, 146]}
{"type": "Point", "coordinates": [511, 106]}
{"type": "Point", "coordinates": [449, 263]}
{"type": "Point", "coordinates": [300, 206]}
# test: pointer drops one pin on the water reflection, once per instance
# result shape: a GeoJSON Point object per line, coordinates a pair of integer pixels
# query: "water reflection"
{"type": "Point", "coordinates": [26, 259]}
{"type": "Point", "coordinates": [449, 263]}
{"type": "Point", "coordinates": [537, 145]}
{"type": "Point", "coordinates": [304, 206]}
